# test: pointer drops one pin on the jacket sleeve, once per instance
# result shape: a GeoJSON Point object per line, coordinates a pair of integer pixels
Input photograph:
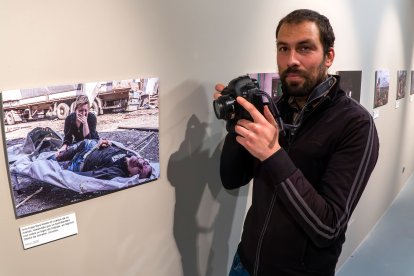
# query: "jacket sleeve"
{"type": "Point", "coordinates": [67, 130]}
{"type": "Point", "coordinates": [236, 163]}
{"type": "Point", "coordinates": [92, 122]}
{"type": "Point", "coordinates": [323, 213]}
{"type": "Point", "coordinates": [104, 173]}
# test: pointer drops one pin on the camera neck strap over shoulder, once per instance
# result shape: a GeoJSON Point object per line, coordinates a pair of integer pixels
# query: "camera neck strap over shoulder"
{"type": "Point", "coordinates": [316, 97]}
{"type": "Point", "coordinates": [321, 90]}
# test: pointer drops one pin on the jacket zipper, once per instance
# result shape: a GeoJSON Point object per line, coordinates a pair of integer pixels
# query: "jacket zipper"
{"type": "Point", "coordinates": [264, 229]}
{"type": "Point", "coordinates": [292, 135]}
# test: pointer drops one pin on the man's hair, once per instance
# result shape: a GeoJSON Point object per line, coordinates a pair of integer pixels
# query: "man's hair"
{"type": "Point", "coordinates": [81, 100]}
{"type": "Point", "coordinates": [326, 33]}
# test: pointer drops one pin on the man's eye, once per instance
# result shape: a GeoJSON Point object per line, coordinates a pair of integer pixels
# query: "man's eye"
{"type": "Point", "coordinates": [305, 49]}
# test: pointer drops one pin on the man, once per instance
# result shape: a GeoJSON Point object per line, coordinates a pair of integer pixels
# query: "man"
{"type": "Point", "coordinates": [100, 159]}
{"type": "Point", "coordinates": [306, 182]}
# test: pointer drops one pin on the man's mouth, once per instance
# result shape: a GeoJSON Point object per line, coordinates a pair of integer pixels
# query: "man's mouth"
{"type": "Point", "coordinates": [294, 76]}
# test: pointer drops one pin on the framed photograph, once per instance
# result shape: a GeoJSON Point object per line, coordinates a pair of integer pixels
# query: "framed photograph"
{"type": "Point", "coordinates": [412, 83]}
{"type": "Point", "coordinates": [382, 87]}
{"type": "Point", "coordinates": [69, 143]}
{"type": "Point", "coordinates": [401, 84]}
{"type": "Point", "coordinates": [269, 83]}
{"type": "Point", "coordinates": [351, 83]}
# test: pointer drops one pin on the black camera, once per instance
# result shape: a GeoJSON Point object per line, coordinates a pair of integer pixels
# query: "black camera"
{"type": "Point", "coordinates": [226, 107]}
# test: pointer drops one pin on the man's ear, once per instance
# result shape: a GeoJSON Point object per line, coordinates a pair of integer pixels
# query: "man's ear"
{"type": "Point", "coordinates": [329, 57]}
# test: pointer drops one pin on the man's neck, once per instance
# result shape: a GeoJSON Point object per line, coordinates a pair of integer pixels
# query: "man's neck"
{"type": "Point", "coordinates": [301, 101]}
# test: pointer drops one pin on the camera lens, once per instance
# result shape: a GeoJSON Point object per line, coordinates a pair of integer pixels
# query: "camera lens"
{"type": "Point", "coordinates": [218, 109]}
{"type": "Point", "coordinates": [224, 107]}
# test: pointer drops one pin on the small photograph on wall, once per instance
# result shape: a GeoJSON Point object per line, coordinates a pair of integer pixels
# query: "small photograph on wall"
{"type": "Point", "coordinates": [412, 83]}
{"type": "Point", "coordinates": [69, 143]}
{"type": "Point", "coordinates": [351, 83]}
{"type": "Point", "coordinates": [382, 87]}
{"type": "Point", "coordinates": [401, 84]}
{"type": "Point", "coordinates": [269, 83]}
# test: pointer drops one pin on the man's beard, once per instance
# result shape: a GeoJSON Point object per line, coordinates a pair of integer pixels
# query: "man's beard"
{"type": "Point", "coordinates": [296, 89]}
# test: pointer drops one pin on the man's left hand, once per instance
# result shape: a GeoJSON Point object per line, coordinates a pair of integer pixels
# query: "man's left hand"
{"type": "Point", "coordinates": [260, 136]}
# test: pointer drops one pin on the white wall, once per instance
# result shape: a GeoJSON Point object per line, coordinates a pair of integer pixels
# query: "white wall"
{"type": "Point", "coordinates": [185, 223]}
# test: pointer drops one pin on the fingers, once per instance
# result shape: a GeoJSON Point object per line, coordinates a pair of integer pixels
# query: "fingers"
{"type": "Point", "coordinates": [269, 117]}
{"type": "Point", "coordinates": [82, 119]}
{"type": "Point", "coordinates": [256, 115]}
{"type": "Point", "coordinates": [260, 136]}
{"type": "Point", "coordinates": [219, 87]}
{"type": "Point", "coordinates": [247, 124]}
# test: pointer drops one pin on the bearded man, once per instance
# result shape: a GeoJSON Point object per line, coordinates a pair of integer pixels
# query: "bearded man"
{"type": "Point", "coordinates": [307, 181]}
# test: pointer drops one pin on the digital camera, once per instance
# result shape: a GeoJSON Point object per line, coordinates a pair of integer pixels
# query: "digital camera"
{"type": "Point", "coordinates": [226, 106]}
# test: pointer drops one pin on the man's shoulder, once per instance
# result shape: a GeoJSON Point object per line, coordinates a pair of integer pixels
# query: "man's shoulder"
{"type": "Point", "coordinates": [350, 109]}
{"type": "Point", "coordinates": [70, 120]}
{"type": "Point", "coordinates": [91, 116]}
{"type": "Point", "coordinates": [71, 116]}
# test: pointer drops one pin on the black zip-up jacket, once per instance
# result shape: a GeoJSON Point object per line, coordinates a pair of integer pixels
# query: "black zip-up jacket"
{"type": "Point", "coordinates": [106, 163]}
{"type": "Point", "coordinates": [304, 194]}
{"type": "Point", "coordinates": [74, 134]}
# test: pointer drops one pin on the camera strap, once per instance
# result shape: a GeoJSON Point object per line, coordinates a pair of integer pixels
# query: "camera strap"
{"type": "Point", "coordinates": [315, 98]}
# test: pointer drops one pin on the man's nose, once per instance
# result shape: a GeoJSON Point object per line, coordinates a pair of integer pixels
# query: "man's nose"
{"type": "Point", "coordinates": [293, 59]}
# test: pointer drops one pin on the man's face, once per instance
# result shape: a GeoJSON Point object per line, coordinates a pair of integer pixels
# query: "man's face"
{"type": "Point", "coordinates": [300, 58]}
{"type": "Point", "coordinates": [138, 165]}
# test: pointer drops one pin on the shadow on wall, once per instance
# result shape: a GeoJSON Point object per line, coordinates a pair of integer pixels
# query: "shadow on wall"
{"type": "Point", "coordinates": [192, 171]}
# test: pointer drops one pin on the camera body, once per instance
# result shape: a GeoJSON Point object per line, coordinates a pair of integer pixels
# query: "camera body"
{"type": "Point", "coordinates": [226, 106]}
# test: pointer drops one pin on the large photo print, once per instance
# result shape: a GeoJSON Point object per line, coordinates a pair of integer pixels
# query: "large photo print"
{"type": "Point", "coordinates": [68, 143]}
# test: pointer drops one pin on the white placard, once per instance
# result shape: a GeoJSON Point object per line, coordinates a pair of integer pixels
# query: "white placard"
{"type": "Point", "coordinates": [48, 230]}
{"type": "Point", "coordinates": [375, 113]}
{"type": "Point", "coordinates": [397, 104]}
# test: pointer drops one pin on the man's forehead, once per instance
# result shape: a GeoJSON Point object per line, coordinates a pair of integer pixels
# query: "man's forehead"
{"type": "Point", "coordinates": [298, 32]}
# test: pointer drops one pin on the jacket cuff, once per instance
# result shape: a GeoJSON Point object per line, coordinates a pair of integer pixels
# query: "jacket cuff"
{"type": "Point", "coordinates": [279, 166]}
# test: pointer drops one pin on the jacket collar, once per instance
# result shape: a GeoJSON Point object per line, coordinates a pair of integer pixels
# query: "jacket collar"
{"type": "Point", "coordinates": [324, 89]}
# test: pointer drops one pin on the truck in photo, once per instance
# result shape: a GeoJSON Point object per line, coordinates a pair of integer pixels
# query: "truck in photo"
{"type": "Point", "coordinates": [22, 105]}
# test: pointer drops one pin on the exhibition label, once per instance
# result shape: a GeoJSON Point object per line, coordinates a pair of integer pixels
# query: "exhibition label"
{"type": "Point", "coordinates": [48, 230]}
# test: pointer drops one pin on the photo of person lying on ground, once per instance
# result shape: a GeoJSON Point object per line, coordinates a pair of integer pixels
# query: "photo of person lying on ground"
{"type": "Point", "coordinates": [101, 159]}
{"type": "Point", "coordinates": [85, 169]}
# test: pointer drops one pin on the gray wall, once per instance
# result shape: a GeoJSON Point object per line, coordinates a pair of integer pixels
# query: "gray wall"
{"type": "Point", "coordinates": [185, 223]}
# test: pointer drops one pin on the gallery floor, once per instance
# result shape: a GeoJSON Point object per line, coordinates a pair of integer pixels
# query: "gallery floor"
{"type": "Point", "coordinates": [389, 248]}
